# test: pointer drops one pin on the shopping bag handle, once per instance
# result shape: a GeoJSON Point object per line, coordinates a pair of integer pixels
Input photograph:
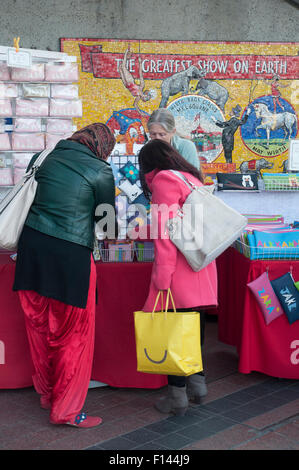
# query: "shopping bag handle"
{"type": "Point", "coordinates": [156, 302]}
{"type": "Point", "coordinates": [169, 295]}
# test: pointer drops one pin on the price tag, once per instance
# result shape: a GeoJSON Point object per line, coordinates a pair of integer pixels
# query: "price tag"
{"type": "Point", "coordinates": [21, 59]}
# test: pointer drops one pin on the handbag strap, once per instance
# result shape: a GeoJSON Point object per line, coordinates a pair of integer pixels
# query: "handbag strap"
{"type": "Point", "coordinates": [40, 160]}
{"type": "Point", "coordinates": [28, 175]}
{"type": "Point", "coordinates": [201, 189]}
{"type": "Point", "coordinates": [189, 183]}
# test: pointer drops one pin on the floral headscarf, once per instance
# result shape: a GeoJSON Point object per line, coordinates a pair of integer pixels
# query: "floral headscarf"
{"type": "Point", "coordinates": [97, 137]}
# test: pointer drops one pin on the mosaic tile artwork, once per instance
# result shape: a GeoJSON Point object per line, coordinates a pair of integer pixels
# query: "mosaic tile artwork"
{"type": "Point", "coordinates": [238, 101]}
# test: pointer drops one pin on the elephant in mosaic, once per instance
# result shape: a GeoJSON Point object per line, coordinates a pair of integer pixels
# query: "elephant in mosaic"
{"type": "Point", "coordinates": [178, 83]}
{"type": "Point", "coordinates": [212, 90]}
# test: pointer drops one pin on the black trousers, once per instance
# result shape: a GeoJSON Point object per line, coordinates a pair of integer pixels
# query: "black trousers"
{"type": "Point", "coordinates": [180, 381]}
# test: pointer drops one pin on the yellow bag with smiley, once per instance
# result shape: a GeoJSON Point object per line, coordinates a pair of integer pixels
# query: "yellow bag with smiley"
{"type": "Point", "coordinates": [168, 343]}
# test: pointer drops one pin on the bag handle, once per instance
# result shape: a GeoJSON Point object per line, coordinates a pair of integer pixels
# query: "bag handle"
{"type": "Point", "coordinates": [169, 295]}
{"type": "Point", "coordinates": [191, 185]}
{"type": "Point", "coordinates": [182, 177]}
{"type": "Point", "coordinates": [156, 302]}
{"type": "Point", "coordinates": [39, 161]}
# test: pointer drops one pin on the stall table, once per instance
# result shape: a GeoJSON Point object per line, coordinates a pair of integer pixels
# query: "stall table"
{"type": "Point", "coordinates": [271, 349]}
{"type": "Point", "coordinates": [122, 288]}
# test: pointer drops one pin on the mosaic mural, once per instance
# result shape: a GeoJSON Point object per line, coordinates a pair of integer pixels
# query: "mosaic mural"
{"type": "Point", "coordinates": [238, 101]}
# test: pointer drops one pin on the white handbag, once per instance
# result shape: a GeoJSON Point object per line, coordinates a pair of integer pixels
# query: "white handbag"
{"type": "Point", "coordinates": [16, 204]}
{"type": "Point", "coordinates": [204, 227]}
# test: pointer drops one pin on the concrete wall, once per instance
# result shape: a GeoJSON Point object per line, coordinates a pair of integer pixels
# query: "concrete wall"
{"type": "Point", "coordinates": [40, 23]}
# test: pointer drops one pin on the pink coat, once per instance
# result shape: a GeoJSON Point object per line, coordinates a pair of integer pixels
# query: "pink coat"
{"type": "Point", "coordinates": [170, 268]}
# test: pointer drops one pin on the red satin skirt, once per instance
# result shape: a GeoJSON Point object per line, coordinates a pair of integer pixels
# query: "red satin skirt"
{"type": "Point", "coordinates": [61, 339]}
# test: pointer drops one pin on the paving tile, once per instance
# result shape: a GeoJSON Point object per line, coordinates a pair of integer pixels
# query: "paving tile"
{"type": "Point", "coordinates": [270, 401]}
{"type": "Point", "coordinates": [225, 440]}
{"type": "Point", "coordinates": [141, 436]}
{"type": "Point", "coordinates": [288, 394]}
{"type": "Point", "coordinates": [196, 432]}
{"type": "Point", "coordinates": [220, 405]}
{"type": "Point", "coordinates": [289, 430]}
{"type": "Point", "coordinates": [269, 441]}
{"type": "Point", "coordinates": [201, 412]}
{"type": "Point", "coordinates": [253, 408]}
{"type": "Point", "coordinates": [188, 419]}
{"type": "Point", "coordinates": [270, 417]}
{"type": "Point", "coordinates": [242, 396]}
{"type": "Point", "coordinates": [173, 441]}
{"type": "Point", "coordinates": [238, 414]}
{"type": "Point", "coordinates": [217, 423]}
{"type": "Point", "coordinates": [151, 446]}
{"type": "Point", "coordinates": [163, 427]}
{"type": "Point", "coordinates": [119, 443]}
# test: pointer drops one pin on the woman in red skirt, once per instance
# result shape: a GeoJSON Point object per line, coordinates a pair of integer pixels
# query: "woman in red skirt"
{"type": "Point", "coordinates": [55, 271]}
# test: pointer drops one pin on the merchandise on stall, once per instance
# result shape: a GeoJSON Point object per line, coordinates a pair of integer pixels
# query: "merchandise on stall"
{"type": "Point", "coordinates": [37, 107]}
{"type": "Point", "coordinates": [266, 298]}
{"type": "Point", "coordinates": [288, 296]}
{"type": "Point", "coordinates": [237, 181]}
{"type": "Point", "coordinates": [281, 181]}
{"type": "Point", "coordinates": [268, 237]}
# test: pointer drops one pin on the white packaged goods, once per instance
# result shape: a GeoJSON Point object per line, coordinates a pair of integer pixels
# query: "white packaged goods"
{"type": "Point", "coordinates": [32, 107]}
{"type": "Point", "coordinates": [53, 139]}
{"type": "Point", "coordinates": [21, 160]}
{"type": "Point", "coordinates": [5, 107]}
{"type": "Point", "coordinates": [27, 86]}
{"type": "Point", "coordinates": [72, 108]}
{"type": "Point", "coordinates": [28, 141]}
{"type": "Point", "coordinates": [62, 72]}
{"type": "Point", "coordinates": [8, 90]}
{"type": "Point", "coordinates": [5, 142]}
{"type": "Point", "coordinates": [67, 92]}
{"type": "Point", "coordinates": [39, 90]}
{"type": "Point", "coordinates": [6, 178]}
{"type": "Point", "coordinates": [18, 173]}
{"type": "Point", "coordinates": [27, 125]}
{"type": "Point", "coordinates": [4, 71]}
{"type": "Point", "coordinates": [35, 73]}
{"type": "Point", "coordinates": [59, 126]}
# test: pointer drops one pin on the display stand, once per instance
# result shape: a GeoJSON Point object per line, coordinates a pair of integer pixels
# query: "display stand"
{"type": "Point", "coordinates": [38, 101]}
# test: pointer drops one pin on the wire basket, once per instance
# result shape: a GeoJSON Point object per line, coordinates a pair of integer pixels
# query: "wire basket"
{"type": "Point", "coordinates": [117, 254]}
{"type": "Point", "coordinates": [281, 181]}
{"type": "Point", "coordinates": [144, 254]}
{"type": "Point", "coordinates": [269, 253]}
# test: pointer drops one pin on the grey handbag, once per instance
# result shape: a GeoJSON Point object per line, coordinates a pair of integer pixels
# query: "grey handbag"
{"type": "Point", "coordinates": [204, 227]}
{"type": "Point", "coordinates": [16, 204]}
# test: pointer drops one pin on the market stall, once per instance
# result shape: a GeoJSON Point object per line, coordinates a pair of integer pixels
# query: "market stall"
{"type": "Point", "coordinates": [122, 288]}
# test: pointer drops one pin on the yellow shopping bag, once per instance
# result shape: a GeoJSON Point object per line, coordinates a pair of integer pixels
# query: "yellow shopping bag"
{"type": "Point", "coordinates": [168, 343]}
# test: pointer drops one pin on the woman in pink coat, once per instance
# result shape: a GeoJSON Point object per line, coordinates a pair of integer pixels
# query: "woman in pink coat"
{"type": "Point", "coordinates": [191, 290]}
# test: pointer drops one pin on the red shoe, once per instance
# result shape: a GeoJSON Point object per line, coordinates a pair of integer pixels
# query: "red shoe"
{"type": "Point", "coordinates": [84, 421]}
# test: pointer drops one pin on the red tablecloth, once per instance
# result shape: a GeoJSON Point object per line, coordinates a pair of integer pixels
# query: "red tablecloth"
{"type": "Point", "coordinates": [271, 349]}
{"type": "Point", "coordinates": [122, 288]}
